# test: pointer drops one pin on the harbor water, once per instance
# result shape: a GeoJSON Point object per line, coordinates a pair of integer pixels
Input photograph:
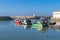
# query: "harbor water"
{"type": "Point", "coordinates": [8, 31]}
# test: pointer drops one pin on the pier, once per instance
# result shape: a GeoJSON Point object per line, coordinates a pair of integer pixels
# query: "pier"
{"type": "Point", "coordinates": [22, 17]}
{"type": "Point", "coordinates": [30, 17]}
{"type": "Point", "coordinates": [3, 18]}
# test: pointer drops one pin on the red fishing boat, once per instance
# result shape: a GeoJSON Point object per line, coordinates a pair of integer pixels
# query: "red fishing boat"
{"type": "Point", "coordinates": [17, 22]}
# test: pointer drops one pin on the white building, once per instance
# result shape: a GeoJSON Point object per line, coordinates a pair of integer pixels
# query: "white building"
{"type": "Point", "coordinates": [56, 17]}
{"type": "Point", "coordinates": [56, 14]}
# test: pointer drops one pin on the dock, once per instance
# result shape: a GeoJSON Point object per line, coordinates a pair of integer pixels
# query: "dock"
{"type": "Point", "coordinates": [5, 18]}
{"type": "Point", "coordinates": [30, 17]}
{"type": "Point", "coordinates": [22, 17]}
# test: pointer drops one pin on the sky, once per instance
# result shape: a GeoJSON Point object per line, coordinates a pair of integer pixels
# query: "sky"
{"type": "Point", "coordinates": [28, 7]}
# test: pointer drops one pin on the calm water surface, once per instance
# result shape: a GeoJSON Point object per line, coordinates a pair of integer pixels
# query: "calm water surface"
{"type": "Point", "coordinates": [8, 31]}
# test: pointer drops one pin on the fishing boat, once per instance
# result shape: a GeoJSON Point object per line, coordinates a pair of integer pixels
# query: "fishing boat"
{"type": "Point", "coordinates": [52, 22]}
{"type": "Point", "coordinates": [27, 22]}
{"type": "Point", "coordinates": [37, 25]}
{"type": "Point", "coordinates": [47, 22]}
{"type": "Point", "coordinates": [17, 22]}
{"type": "Point", "coordinates": [27, 26]}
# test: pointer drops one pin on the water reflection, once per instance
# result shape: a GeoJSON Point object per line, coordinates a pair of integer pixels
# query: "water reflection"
{"type": "Point", "coordinates": [8, 31]}
{"type": "Point", "coordinates": [27, 26]}
{"type": "Point", "coordinates": [17, 24]}
{"type": "Point", "coordinates": [44, 29]}
{"type": "Point", "coordinates": [38, 27]}
{"type": "Point", "coordinates": [56, 28]}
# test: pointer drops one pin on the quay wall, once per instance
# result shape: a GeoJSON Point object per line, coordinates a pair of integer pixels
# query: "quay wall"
{"type": "Point", "coordinates": [5, 18]}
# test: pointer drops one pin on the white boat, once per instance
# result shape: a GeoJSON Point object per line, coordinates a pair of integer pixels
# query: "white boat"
{"type": "Point", "coordinates": [27, 22]}
{"type": "Point", "coordinates": [24, 22]}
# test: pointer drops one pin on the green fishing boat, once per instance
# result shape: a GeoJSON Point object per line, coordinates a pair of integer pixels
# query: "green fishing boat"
{"type": "Point", "coordinates": [36, 25]}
